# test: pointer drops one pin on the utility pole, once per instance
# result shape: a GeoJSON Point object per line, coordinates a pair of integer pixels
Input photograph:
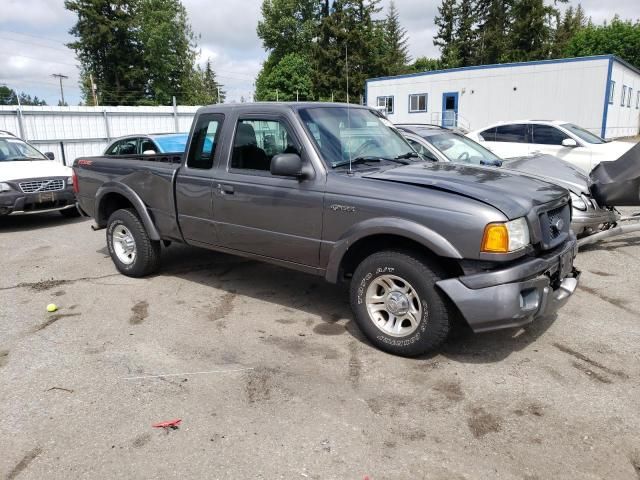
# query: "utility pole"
{"type": "Point", "coordinates": [60, 77]}
{"type": "Point", "coordinates": [277, 95]}
{"type": "Point", "coordinates": [218, 94]}
{"type": "Point", "coordinates": [297, 96]}
{"type": "Point", "coordinates": [93, 90]}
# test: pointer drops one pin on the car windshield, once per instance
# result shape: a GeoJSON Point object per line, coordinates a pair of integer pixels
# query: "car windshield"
{"type": "Point", "coordinates": [462, 149]}
{"type": "Point", "coordinates": [585, 135]}
{"type": "Point", "coordinates": [172, 143]}
{"type": "Point", "coordinates": [14, 149]}
{"type": "Point", "coordinates": [345, 134]}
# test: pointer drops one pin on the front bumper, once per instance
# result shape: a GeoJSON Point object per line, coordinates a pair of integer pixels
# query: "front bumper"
{"type": "Point", "coordinates": [516, 295]}
{"type": "Point", "coordinates": [14, 202]}
{"type": "Point", "coordinates": [590, 220]}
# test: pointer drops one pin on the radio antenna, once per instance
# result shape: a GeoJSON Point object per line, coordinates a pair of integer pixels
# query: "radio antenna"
{"type": "Point", "coordinates": [346, 62]}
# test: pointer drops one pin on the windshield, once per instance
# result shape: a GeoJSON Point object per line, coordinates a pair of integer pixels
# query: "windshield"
{"type": "Point", "coordinates": [14, 149]}
{"type": "Point", "coordinates": [172, 143]}
{"type": "Point", "coordinates": [461, 149]}
{"type": "Point", "coordinates": [582, 133]}
{"type": "Point", "coordinates": [343, 133]}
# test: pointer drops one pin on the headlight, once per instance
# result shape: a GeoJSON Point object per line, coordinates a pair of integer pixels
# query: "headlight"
{"type": "Point", "coordinates": [69, 182]}
{"type": "Point", "coordinates": [578, 202]}
{"type": "Point", "coordinates": [4, 187]}
{"type": "Point", "coordinates": [505, 237]}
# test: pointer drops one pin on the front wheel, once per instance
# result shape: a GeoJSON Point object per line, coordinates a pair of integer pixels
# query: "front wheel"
{"type": "Point", "coordinates": [132, 251]}
{"type": "Point", "coordinates": [397, 304]}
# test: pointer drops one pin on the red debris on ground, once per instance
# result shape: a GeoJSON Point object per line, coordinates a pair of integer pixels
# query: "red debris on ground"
{"type": "Point", "coordinates": [170, 424]}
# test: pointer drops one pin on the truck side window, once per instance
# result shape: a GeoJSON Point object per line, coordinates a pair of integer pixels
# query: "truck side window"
{"type": "Point", "coordinates": [258, 141]}
{"type": "Point", "coordinates": [205, 139]}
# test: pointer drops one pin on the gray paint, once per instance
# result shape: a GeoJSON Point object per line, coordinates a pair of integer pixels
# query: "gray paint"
{"type": "Point", "coordinates": [311, 223]}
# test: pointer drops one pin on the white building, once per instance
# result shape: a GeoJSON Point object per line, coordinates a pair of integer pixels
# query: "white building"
{"type": "Point", "coordinates": [600, 93]}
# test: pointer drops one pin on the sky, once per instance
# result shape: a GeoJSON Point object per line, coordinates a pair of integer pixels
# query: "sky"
{"type": "Point", "coordinates": [33, 34]}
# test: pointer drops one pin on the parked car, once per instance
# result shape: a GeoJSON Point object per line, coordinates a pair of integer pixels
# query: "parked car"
{"type": "Point", "coordinates": [31, 182]}
{"type": "Point", "coordinates": [148, 144]}
{"type": "Point", "coordinates": [443, 145]}
{"type": "Point", "coordinates": [554, 137]}
{"type": "Point", "coordinates": [332, 190]}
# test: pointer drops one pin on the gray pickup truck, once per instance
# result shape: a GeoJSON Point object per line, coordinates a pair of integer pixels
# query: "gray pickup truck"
{"type": "Point", "coordinates": [334, 191]}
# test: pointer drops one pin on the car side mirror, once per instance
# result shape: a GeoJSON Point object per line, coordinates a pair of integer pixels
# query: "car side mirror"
{"type": "Point", "coordinates": [50, 155]}
{"type": "Point", "coordinates": [491, 163]}
{"type": "Point", "coordinates": [149, 152]}
{"type": "Point", "coordinates": [569, 142]}
{"type": "Point", "coordinates": [287, 165]}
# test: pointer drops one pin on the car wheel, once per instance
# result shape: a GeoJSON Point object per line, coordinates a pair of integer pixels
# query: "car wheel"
{"type": "Point", "coordinates": [130, 247]}
{"type": "Point", "coordinates": [70, 212]}
{"type": "Point", "coordinates": [397, 304]}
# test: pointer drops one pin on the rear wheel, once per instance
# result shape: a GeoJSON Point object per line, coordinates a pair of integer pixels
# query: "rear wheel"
{"type": "Point", "coordinates": [397, 304]}
{"type": "Point", "coordinates": [132, 251]}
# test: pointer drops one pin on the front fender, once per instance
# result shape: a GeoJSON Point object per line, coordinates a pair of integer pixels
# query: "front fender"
{"type": "Point", "coordinates": [130, 194]}
{"type": "Point", "coordinates": [399, 227]}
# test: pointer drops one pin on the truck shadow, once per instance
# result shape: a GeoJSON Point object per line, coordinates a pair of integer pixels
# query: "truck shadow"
{"type": "Point", "coordinates": [296, 293]}
{"type": "Point", "coordinates": [37, 221]}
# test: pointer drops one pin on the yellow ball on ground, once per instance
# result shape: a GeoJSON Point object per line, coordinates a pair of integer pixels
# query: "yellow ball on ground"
{"type": "Point", "coordinates": [51, 307]}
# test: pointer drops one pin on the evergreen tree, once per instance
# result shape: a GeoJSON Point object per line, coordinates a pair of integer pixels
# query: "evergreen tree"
{"type": "Point", "coordinates": [395, 43]}
{"type": "Point", "coordinates": [202, 87]}
{"type": "Point", "coordinates": [464, 33]}
{"type": "Point", "coordinates": [492, 30]}
{"type": "Point", "coordinates": [107, 46]}
{"type": "Point", "coordinates": [567, 26]}
{"type": "Point", "coordinates": [445, 38]}
{"type": "Point", "coordinates": [289, 79]}
{"type": "Point", "coordinates": [530, 30]}
{"type": "Point", "coordinates": [425, 64]}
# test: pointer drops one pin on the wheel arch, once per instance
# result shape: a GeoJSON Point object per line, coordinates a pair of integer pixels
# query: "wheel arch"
{"type": "Point", "coordinates": [382, 234]}
{"type": "Point", "coordinates": [113, 196]}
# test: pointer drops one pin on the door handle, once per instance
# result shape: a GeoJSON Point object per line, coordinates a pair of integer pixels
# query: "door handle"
{"type": "Point", "coordinates": [225, 189]}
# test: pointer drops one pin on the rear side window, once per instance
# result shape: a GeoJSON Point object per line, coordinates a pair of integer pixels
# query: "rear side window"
{"type": "Point", "coordinates": [515, 133]}
{"type": "Point", "coordinates": [547, 135]}
{"type": "Point", "coordinates": [204, 142]}
{"type": "Point", "coordinates": [488, 135]}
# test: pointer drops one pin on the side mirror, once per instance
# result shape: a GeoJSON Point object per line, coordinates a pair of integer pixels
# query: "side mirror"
{"type": "Point", "coordinates": [286, 165]}
{"type": "Point", "coordinates": [491, 163]}
{"type": "Point", "coordinates": [149, 152]}
{"type": "Point", "coordinates": [569, 142]}
{"type": "Point", "coordinates": [50, 155]}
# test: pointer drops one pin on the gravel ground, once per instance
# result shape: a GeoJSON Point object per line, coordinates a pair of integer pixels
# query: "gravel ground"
{"type": "Point", "coordinates": [272, 379]}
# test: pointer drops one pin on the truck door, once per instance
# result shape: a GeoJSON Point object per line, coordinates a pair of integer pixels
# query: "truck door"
{"type": "Point", "coordinates": [194, 183]}
{"type": "Point", "coordinates": [256, 212]}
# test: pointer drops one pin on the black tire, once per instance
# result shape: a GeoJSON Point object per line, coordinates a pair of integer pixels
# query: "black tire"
{"type": "Point", "coordinates": [147, 251]}
{"type": "Point", "coordinates": [70, 212]}
{"type": "Point", "coordinates": [436, 317]}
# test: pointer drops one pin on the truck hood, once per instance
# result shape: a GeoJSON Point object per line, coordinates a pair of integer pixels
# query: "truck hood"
{"type": "Point", "coordinates": [551, 169]}
{"type": "Point", "coordinates": [19, 170]}
{"type": "Point", "coordinates": [511, 192]}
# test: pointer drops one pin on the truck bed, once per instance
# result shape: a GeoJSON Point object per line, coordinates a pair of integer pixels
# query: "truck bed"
{"type": "Point", "coordinates": [149, 176]}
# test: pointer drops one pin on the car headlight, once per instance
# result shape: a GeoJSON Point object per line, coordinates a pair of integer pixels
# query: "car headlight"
{"type": "Point", "coordinates": [69, 182]}
{"type": "Point", "coordinates": [506, 237]}
{"type": "Point", "coordinates": [4, 187]}
{"type": "Point", "coordinates": [578, 202]}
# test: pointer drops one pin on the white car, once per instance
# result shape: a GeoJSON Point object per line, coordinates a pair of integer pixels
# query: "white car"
{"type": "Point", "coordinates": [31, 182]}
{"type": "Point", "coordinates": [553, 137]}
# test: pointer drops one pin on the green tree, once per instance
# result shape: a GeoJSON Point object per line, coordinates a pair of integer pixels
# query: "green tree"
{"type": "Point", "coordinates": [568, 25]}
{"type": "Point", "coordinates": [530, 30]}
{"type": "Point", "coordinates": [445, 37]}
{"type": "Point", "coordinates": [168, 49]}
{"type": "Point", "coordinates": [108, 46]}
{"type": "Point", "coordinates": [202, 87]}
{"type": "Point", "coordinates": [7, 96]}
{"type": "Point", "coordinates": [395, 43]}
{"type": "Point", "coordinates": [493, 19]}
{"type": "Point", "coordinates": [619, 37]}
{"type": "Point", "coordinates": [464, 33]}
{"type": "Point", "coordinates": [290, 78]}
{"type": "Point", "coordinates": [288, 26]}
{"type": "Point", "coordinates": [425, 64]}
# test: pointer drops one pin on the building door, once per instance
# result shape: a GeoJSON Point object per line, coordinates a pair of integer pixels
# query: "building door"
{"type": "Point", "coordinates": [450, 109]}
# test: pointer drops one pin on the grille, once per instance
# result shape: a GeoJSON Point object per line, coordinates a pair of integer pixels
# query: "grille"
{"type": "Point", "coordinates": [42, 186]}
{"type": "Point", "coordinates": [555, 225]}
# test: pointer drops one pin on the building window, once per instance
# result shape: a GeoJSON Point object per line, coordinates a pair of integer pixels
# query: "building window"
{"type": "Point", "coordinates": [629, 95]}
{"type": "Point", "coordinates": [612, 90]}
{"type": "Point", "coordinates": [418, 102]}
{"type": "Point", "coordinates": [624, 95]}
{"type": "Point", "coordinates": [386, 103]}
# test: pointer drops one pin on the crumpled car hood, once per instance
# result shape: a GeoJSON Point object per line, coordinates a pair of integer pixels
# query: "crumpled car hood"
{"type": "Point", "coordinates": [552, 169]}
{"type": "Point", "coordinates": [511, 192]}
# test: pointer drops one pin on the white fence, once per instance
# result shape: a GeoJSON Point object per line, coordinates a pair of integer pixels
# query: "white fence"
{"type": "Point", "coordinates": [71, 132]}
